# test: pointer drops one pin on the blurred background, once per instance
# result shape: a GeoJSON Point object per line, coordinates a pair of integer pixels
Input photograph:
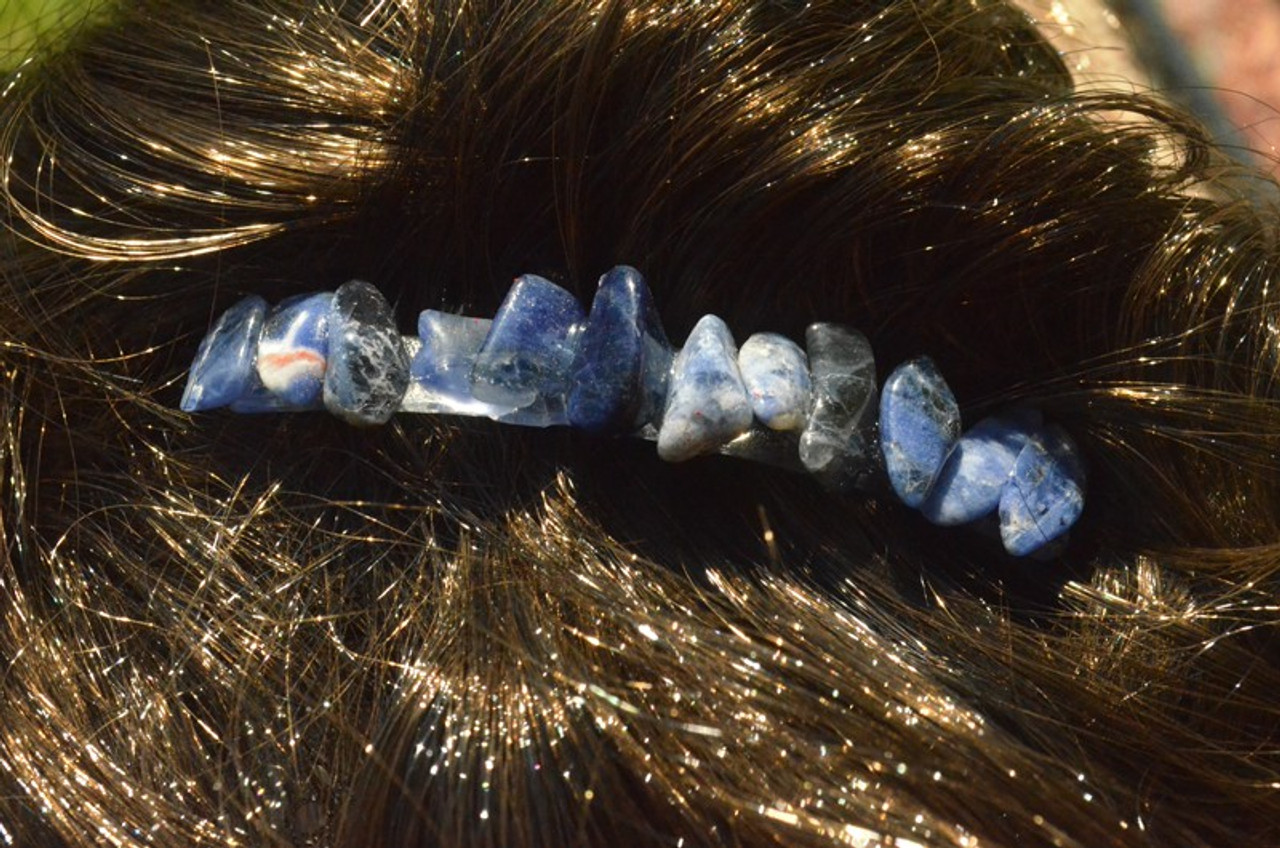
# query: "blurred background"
{"type": "Point", "coordinates": [1220, 58]}
{"type": "Point", "coordinates": [26, 23]}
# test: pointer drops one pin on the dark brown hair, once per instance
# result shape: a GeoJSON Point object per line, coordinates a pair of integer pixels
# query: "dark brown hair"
{"type": "Point", "coordinates": [237, 630]}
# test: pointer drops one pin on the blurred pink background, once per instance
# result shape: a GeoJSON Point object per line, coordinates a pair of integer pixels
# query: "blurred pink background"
{"type": "Point", "coordinates": [1235, 45]}
{"type": "Point", "coordinates": [1220, 58]}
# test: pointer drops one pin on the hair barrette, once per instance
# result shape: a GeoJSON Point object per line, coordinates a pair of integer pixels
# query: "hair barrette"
{"type": "Point", "coordinates": [541, 361]}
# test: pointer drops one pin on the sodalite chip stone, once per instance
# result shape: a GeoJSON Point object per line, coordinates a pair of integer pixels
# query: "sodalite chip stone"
{"type": "Point", "coordinates": [623, 358]}
{"type": "Point", "coordinates": [293, 350]}
{"type": "Point", "coordinates": [525, 360]}
{"type": "Point", "coordinates": [707, 402]}
{"type": "Point", "coordinates": [980, 464]}
{"type": "Point", "coordinates": [368, 365]}
{"type": "Point", "coordinates": [838, 444]}
{"type": "Point", "coordinates": [1045, 493]}
{"type": "Point", "coordinates": [776, 373]}
{"type": "Point", "coordinates": [441, 367]}
{"type": "Point", "coordinates": [257, 399]}
{"type": "Point", "coordinates": [223, 367]}
{"type": "Point", "coordinates": [919, 423]}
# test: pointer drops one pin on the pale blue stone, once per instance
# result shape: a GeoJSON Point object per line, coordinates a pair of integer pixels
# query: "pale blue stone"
{"type": "Point", "coordinates": [223, 367]}
{"type": "Point", "coordinates": [525, 360]}
{"type": "Point", "coordinates": [838, 445]}
{"type": "Point", "coordinates": [547, 411]}
{"type": "Point", "coordinates": [707, 403]}
{"type": "Point", "coordinates": [293, 351]}
{"type": "Point", "coordinates": [776, 374]}
{"type": "Point", "coordinates": [919, 423]}
{"type": "Point", "coordinates": [975, 472]}
{"type": "Point", "coordinates": [1045, 494]}
{"type": "Point", "coordinates": [623, 358]}
{"type": "Point", "coordinates": [368, 365]}
{"type": "Point", "coordinates": [441, 367]}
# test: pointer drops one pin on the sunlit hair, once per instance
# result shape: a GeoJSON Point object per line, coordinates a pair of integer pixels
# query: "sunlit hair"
{"type": "Point", "coordinates": [229, 630]}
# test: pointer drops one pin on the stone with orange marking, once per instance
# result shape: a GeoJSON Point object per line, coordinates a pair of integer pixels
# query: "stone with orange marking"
{"type": "Point", "coordinates": [293, 350]}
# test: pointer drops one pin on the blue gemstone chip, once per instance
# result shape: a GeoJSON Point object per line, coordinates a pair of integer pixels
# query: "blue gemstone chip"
{"type": "Point", "coordinates": [442, 365]}
{"type": "Point", "coordinates": [223, 368]}
{"type": "Point", "coordinates": [257, 400]}
{"type": "Point", "coordinates": [707, 403]}
{"type": "Point", "coordinates": [919, 423]}
{"type": "Point", "coordinates": [1045, 493]}
{"type": "Point", "coordinates": [619, 372]}
{"type": "Point", "coordinates": [525, 361]}
{"type": "Point", "coordinates": [448, 354]}
{"type": "Point", "coordinates": [776, 373]}
{"type": "Point", "coordinates": [293, 350]}
{"type": "Point", "coordinates": [975, 472]}
{"type": "Point", "coordinates": [368, 368]}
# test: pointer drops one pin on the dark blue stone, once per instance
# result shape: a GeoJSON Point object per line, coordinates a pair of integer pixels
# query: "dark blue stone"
{"type": "Point", "coordinates": [368, 366]}
{"type": "Point", "coordinates": [223, 368]}
{"type": "Point", "coordinates": [971, 480]}
{"type": "Point", "coordinates": [525, 360]}
{"type": "Point", "coordinates": [838, 444]}
{"type": "Point", "coordinates": [1045, 494]}
{"type": "Point", "coordinates": [293, 350]}
{"type": "Point", "coordinates": [707, 403]}
{"type": "Point", "coordinates": [620, 352]}
{"type": "Point", "coordinates": [919, 423]}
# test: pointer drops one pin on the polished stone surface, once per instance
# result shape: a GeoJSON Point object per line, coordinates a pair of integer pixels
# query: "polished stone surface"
{"type": "Point", "coordinates": [707, 402]}
{"type": "Point", "coordinates": [1045, 494]}
{"type": "Point", "coordinates": [256, 399]}
{"type": "Point", "coordinates": [975, 472]}
{"type": "Point", "coordinates": [368, 365]}
{"type": "Point", "coordinates": [919, 423]}
{"type": "Point", "coordinates": [525, 360]}
{"type": "Point", "coordinates": [223, 367]}
{"type": "Point", "coordinates": [776, 373]}
{"type": "Point", "coordinates": [441, 366]}
{"type": "Point", "coordinates": [623, 358]}
{"type": "Point", "coordinates": [293, 350]}
{"type": "Point", "coordinates": [838, 445]}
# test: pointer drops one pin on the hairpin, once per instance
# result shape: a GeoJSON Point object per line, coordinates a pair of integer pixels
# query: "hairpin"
{"type": "Point", "coordinates": [542, 362]}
